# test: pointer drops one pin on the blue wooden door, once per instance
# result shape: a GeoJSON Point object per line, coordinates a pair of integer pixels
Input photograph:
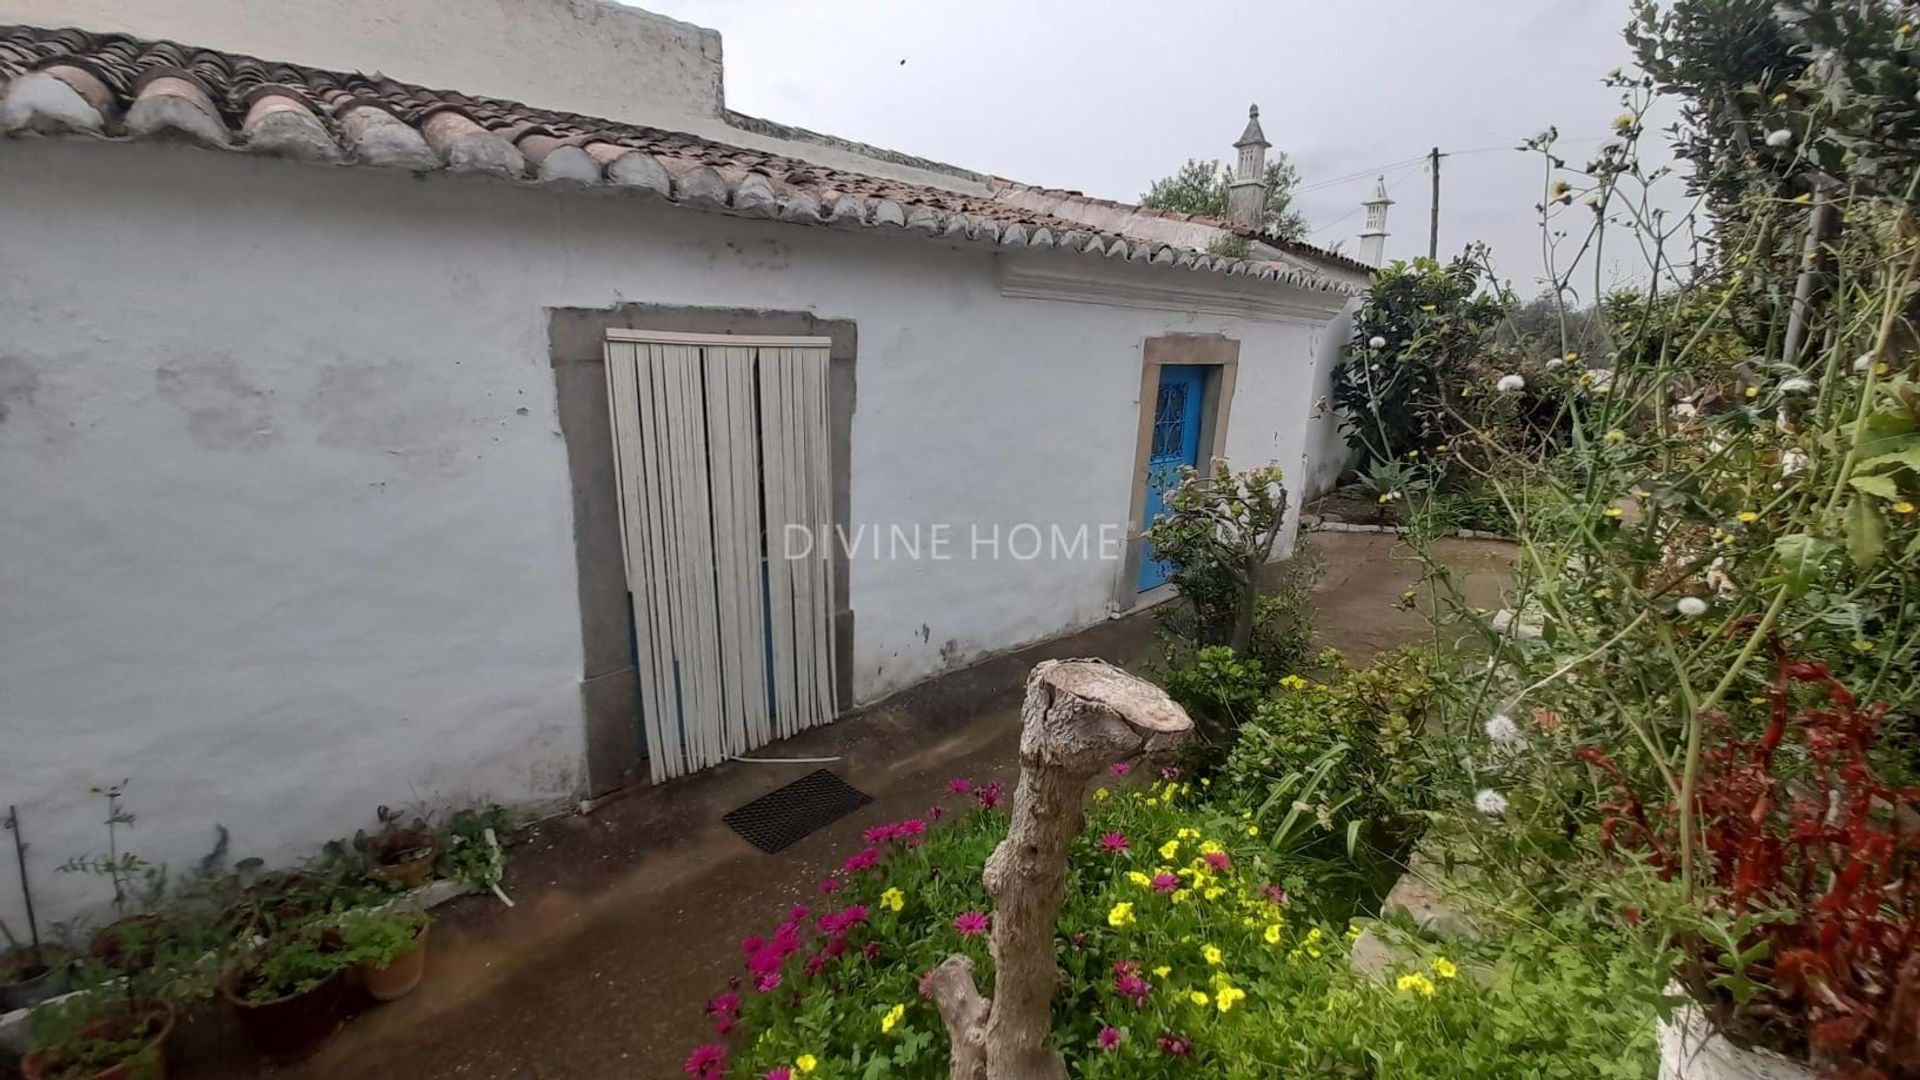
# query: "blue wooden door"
{"type": "Point", "coordinates": [1176, 444]}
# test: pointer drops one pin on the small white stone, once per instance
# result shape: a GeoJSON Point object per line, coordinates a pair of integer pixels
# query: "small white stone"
{"type": "Point", "coordinates": [1779, 137]}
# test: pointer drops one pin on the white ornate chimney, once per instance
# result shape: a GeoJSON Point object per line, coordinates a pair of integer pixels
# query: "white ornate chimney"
{"type": "Point", "coordinates": [1373, 240]}
{"type": "Point", "coordinates": [1247, 195]}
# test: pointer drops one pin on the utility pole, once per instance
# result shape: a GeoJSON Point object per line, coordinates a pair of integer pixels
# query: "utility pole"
{"type": "Point", "coordinates": [1433, 231]}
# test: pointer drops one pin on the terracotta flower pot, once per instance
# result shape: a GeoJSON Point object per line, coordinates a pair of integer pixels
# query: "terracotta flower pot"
{"type": "Point", "coordinates": [293, 1027]}
{"type": "Point", "coordinates": [398, 979]}
{"type": "Point", "coordinates": [405, 859]}
{"type": "Point", "coordinates": [149, 1064]}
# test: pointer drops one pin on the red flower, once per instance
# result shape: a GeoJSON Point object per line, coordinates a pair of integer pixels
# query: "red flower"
{"type": "Point", "coordinates": [989, 796]}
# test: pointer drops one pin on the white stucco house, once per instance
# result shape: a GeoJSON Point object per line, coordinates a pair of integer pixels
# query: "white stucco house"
{"type": "Point", "coordinates": [442, 434]}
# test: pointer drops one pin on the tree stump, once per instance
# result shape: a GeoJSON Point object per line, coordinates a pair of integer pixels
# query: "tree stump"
{"type": "Point", "coordinates": [1079, 717]}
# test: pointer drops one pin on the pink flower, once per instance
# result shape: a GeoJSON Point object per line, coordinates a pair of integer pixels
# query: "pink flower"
{"type": "Point", "coordinates": [1131, 986]}
{"type": "Point", "coordinates": [1170, 772]}
{"type": "Point", "coordinates": [970, 923]}
{"type": "Point", "coordinates": [865, 860]}
{"type": "Point", "coordinates": [1113, 843]}
{"type": "Point", "coordinates": [1275, 895]}
{"type": "Point", "coordinates": [1110, 1038]}
{"type": "Point", "coordinates": [935, 813]}
{"type": "Point", "coordinates": [1121, 768]}
{"type": "Point", "coordinates": [796, 913]}
{"type": "Point", "coordinates": [722, 1026]}
{"type": "Point", "coordinates": [880, 834]}
{"type": "Point", "coordinates": [752, 943]}
{"type": "Point", "coordinates": [960, 786]}
{"type": "Point", "coordinates": [871, 951]}
{"type": "Point", "coordinates": [1126, 967]}
{"type": "Point", "coordinates": [910, 828]}
{"type": "Point", "coordinates": [1219, 861]}
{"type": "Point", "coordinates": [707, 1062]}
{"type": "Point", "coordinates": [1174, 1045]}
{"type": "Point", "coordinates": [838, 923]}
{"type": "Point", "coordinates": [725, 1005]}
{"type": "Point", "coordinates": [828, 885]}
{"type": "Point", "coordinates": [989, 796]}
{"type": "Point", "coordinates": [768, 983]}
{"type": "Point", "coordinates": [814, 965]}
{"type": "Point", "coordinates": [834, 947]}
{"type": "Point", "coordinates": [1165, 883]}
{"type": "Point", "coordinates": [779, 1072]}
{"type": "Point", "coordinates": [926, 986]}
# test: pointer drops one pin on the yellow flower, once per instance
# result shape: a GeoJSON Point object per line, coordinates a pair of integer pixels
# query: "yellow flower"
{"type": "Point", "coordinates": [1162, 971]}
{"type": "Point", "coordinates": [1615, 437]}
{"type": "Point", "coordinates": [1180, 896]}
{"type": "Point", "coordinates": [1295, 682]}
{"type": "Point", "coordinates": [1746, 517]}
{"type": "Point", "coordinates": [1187, 834]}
{"type": "Point", "coordinates": [1602, 593]}
{"type": "Point", "coordinates": [1753, 391]}
{"type": "Point", "coordinates": [1213, 955]}
{"type": "Point", "coordinates": [1211, 847]}
{"type": "Point", "coordinates": [1253, 830]}
{"type": "Point", "coordinates": [1903, 507]}
{"type": "Point", "coordinates": [1612, 511]}
{"type": "Point", "coordinates": [1227, 996]}
{"type": "Point", "coordinates": [1416, 983]}
{"type": "Point", "coordinates": [1444, 968]}
{"type": "Point", "coordinates": [892, 1019]}
{"type": "Point", "coordinates": [1273, 933]}
{"type": "Point", "coordinates": [1198, 997]}
{"type": "Point", "coordinates": [805, 1063]}
{"type": "Point", "coordinates": [1100, 795]}
{"type": "Point", "coordinates": [1862, 645]}
{"type": "Point", "coordinates": [1170, 849]}
{"type": "Point", "coordinates": [893, 899]}
{"type": "Point", "coordinates": [1121, 915]}
{"type": "Point", "coordinates": [1214, 892]}
{"type": "Point", "coordinates": [1139, 879]}
{"type": "Point", "coordinates": [1246, 815]}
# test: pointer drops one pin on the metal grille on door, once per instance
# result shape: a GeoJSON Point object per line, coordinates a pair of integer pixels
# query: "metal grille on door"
{"type": "Point", "coordinates": [721, 447]}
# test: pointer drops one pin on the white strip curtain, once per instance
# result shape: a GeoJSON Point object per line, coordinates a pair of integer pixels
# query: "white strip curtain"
{"type": "Point", "coordinates": [720, 448]}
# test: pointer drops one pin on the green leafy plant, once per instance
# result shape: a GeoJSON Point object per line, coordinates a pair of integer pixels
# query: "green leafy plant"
{"type": "Point", "coordinates": [376, 938]}
{"type": "Point", "coordinates": [1219, 534]}
{"type": "Point", "coordinates": [291, 962]}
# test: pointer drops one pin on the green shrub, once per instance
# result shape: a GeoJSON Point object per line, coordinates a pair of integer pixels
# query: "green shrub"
{"type": "Point", "coordinates": [1215, 975]}
{"type": "Point", "coordinates": [1220, 691]}
{"type": "Point", "coordinates": [1333, 771]}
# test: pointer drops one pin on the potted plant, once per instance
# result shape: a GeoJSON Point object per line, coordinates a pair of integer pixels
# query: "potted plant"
{"type": "Point", "coordinates": [100, 1035]}
{"type": "Point", "coordinates": [26, 976]}
{"type": "Point", "coordinates": [388, 949]}
{"type": "Point", "coordinates": [402, 856]}
{"type": "Point", "coordinates": [1800, 940]}
{"type": "Point", "coordinates": [289, 990]}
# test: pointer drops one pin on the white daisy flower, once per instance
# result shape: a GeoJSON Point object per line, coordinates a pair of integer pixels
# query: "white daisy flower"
{"type": "Point", "coordinates": [1779, 137]}
{"type": "Point", "coordinates": [1691, 607]}
{"type": "Point", "coordinates": [1502, 731]}
{"type": "Point", "coordinates": [1509, 384]}
{"type": "Point", "coordinates": [1376, 342]}
{"type": "Point", "coordinates": [1490, 802]}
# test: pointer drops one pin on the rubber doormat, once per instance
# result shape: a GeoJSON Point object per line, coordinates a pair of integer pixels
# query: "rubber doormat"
{"type": "Point", "coordinates": [774, 821]}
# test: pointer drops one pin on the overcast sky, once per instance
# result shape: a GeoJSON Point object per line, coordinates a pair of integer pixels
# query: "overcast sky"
{"type": "Point", "coordinates": [1103, 96]}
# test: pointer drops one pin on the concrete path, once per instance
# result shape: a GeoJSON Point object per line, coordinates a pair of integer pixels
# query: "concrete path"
{"type": "Point", "coordinates": [629, 917]}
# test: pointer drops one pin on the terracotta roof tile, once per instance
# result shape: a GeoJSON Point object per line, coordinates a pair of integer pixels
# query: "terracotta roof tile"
{"type": "Point", "coordinates": [114, 86]}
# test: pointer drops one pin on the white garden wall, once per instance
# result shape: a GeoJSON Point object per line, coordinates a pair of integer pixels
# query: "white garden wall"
{"type": "Point", "coordinates": [287, 511]}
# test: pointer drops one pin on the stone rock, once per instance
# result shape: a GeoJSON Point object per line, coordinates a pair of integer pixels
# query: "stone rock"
{"type": "Point", "coordinates": [1691, 1050]}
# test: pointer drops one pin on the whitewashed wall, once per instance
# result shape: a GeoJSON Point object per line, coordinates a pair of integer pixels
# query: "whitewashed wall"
{"type": "Point", "coordinates": [287, 529]}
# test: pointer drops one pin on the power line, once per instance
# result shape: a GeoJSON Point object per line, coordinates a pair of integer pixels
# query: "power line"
{"type": "Point", "coordinates": [1355, 212]}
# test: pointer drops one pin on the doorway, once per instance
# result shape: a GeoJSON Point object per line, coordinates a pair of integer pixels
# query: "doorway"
{"type": "Point", "coordinates": [723, 469]}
